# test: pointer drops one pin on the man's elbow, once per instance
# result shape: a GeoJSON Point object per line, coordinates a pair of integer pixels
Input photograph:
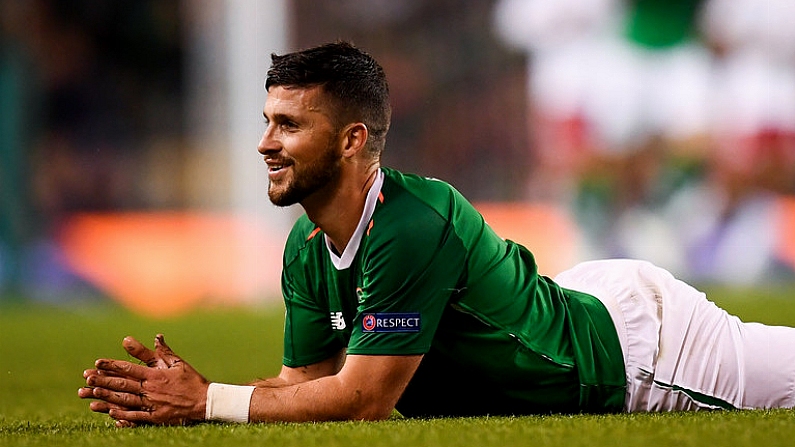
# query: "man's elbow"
{"type": "Point", "coordinates": [372, 413]}
{"type": "Point", "coordinates": [369, 408]}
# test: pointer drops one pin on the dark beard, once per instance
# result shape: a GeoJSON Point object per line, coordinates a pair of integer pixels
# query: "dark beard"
{"type": "Point", "coordinates": [309, 180]}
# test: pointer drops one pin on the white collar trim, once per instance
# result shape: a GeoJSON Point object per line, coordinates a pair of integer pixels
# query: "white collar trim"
{"type": "Point", "coordinates": [346, 259]}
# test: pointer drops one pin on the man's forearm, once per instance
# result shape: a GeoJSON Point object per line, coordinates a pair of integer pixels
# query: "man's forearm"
{"type": "Point", "coordinates": [272, 400]}
{"type": "Point", "coordinates": [324, 399]}
{"type": "Point", "coordinates": [367, 388]}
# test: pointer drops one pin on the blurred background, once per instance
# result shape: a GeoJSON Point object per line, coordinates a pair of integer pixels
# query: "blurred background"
{"type": "Point", "coordinates": [656, 129]}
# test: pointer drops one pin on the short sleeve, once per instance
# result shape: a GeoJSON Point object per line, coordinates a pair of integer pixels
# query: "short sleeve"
{"type": "Point", "coordinates": [409, 274]}
{"type": "Point", "coordinates": [308, 336]}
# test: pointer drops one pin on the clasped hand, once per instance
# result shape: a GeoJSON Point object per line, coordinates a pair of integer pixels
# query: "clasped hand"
{"type": "Point", "coordinates": [167, 391]}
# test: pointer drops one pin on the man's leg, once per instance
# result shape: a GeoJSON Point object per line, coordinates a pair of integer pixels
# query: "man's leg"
{"type": "Point", "coordinates": [682, 352]}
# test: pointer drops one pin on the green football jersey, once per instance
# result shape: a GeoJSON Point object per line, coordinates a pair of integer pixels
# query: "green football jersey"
{"type": "Point", "coordinates": [425, 274]}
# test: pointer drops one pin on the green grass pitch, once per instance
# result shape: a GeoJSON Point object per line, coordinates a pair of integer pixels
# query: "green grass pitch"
{"type": "Point", "coordinates": [44, 349]}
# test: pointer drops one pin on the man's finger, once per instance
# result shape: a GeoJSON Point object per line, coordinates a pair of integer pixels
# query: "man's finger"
{"type": "Point", "coordinates": [164, 352]}
{"type": "Point", "coordinates": [130, 416]}
{"type": "Point", "coordinates": [115, 383]}
{"type": "Point", "coordinates": [121, 423]}
{"type": "Point", "coordinates": [123, 368]}
{"type": "Point", "coordinates": [118, 398]}
{"type": "Point", "coordinates": [85, 393]}
{"type": "Point", "coordinates": [96, 372]}
{"type": "Point", "coordinates": [139, 351]}
{"type": "Point", "coordinates": [100, 406]}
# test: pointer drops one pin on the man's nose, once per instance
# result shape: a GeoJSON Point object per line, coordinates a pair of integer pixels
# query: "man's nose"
{"type": "Point", "coordinates": [267, 143]}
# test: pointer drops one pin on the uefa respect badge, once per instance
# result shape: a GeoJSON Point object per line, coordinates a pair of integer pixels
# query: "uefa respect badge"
{"type": "Point", "coordinates": [391, 322]}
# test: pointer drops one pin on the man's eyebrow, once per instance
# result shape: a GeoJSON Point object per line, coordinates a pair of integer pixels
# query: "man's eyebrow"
{"type": "Point", "coordinates": [278, 117]}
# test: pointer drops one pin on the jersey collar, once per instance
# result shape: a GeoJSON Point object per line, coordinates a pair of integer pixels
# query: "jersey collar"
{"type": "Point", "coordinates": [345, 260]}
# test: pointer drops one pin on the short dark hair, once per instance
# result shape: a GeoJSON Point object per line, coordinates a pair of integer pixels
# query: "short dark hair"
{"type": "Point", "coordinates": [353, 79]}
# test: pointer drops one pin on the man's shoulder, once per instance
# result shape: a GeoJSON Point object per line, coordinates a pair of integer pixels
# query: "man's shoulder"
{"type": "Point", "coordinates": [418, 191]}
{"type": "Point", "coordinates": [416, 213]}
{"type": "Point", "coordinates": [415, 182]}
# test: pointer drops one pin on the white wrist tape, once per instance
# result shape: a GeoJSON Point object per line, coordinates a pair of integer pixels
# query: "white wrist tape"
{"type": "Point", "coordinates": [228, 403]}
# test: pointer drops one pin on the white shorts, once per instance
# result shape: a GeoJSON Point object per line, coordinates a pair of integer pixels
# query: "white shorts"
{"type": "Point", "coordinates": [681, 351]}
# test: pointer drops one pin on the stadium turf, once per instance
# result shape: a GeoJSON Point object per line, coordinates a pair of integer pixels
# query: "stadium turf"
{"type": "Point", "coordinates": [44, 349]}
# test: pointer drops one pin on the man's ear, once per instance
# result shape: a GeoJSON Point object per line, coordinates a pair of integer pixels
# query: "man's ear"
{"type": "Point", "coordinates": [354, 139]}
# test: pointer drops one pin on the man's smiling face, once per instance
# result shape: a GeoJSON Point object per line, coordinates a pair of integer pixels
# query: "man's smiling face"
{"type": "Point", "coordinates": [300, 144]}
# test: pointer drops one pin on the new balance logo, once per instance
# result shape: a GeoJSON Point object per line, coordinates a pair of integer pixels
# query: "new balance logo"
{"type": "Point", "coordinates": [337, 321]}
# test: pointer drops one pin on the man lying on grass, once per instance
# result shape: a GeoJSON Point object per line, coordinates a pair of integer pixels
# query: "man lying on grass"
{"type": "Point", "coordinates": [399, 296]}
